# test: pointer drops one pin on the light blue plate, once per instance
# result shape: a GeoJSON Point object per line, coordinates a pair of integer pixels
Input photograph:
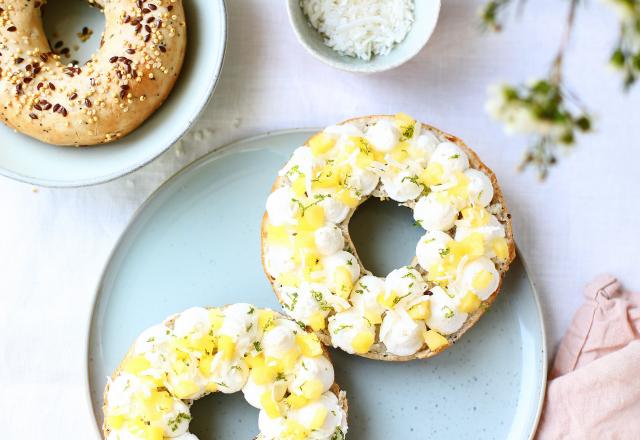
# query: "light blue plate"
{"type": "Point", "coordinates": [196, 241]}
{"type": "Point", "coordinates": [28, 160]}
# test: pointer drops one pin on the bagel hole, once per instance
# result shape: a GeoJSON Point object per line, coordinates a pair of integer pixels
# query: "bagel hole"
{"type": "Point", "coordinates": [223, 416]}
{"type": "Point", "coordinates": [74, 29]}
{"type": "Point", "coordinates": [384, 235]}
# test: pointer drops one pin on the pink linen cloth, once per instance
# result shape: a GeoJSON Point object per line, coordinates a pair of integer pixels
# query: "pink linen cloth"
{"type": "Point", "coordinates": [594, 385]}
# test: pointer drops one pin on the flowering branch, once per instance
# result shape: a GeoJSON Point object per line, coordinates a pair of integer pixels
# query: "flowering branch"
{"type": "Point", "coordinates": [543, 108]}
{"type": "Point", "coordinates": [626, 56]}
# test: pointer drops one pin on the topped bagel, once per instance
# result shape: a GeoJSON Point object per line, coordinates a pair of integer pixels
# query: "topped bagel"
{"type": "Point", "coordinates": [415, 311]}
{"type": "Point", "coordinates": [281, 369]}
{"type": "Point", "coordinates": [124, 82]}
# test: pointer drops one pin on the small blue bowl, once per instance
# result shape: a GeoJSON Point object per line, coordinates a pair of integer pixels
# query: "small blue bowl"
{"type": "Point", "coordinates": [426, 16]}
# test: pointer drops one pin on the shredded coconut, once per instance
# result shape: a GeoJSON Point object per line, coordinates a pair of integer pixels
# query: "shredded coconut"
{"type": "Point", "coordinates": [361, 28]}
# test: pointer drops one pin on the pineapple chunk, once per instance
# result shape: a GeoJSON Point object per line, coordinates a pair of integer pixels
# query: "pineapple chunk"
{"type": "Point", "coordinates": [432, 175]}
{"type": "Point", "coordinates": [269, 404]}
{"type": "Point", "coordinates": [309, 344]}
{"type": "Point", "coordinates": [319, 418]}
{"type": "Point", "coordinates": [313, 218]}
{"type": "Point", "coordinates": [294, 431]}
{"type": "Point", "coordinates": [227, 346]}
{"type": "Point", "coordinates": [403, 120]}
{"type": "Point", "coordinates": [501, 248]}
{"type": "Point", "coordinates": [312, 389]}
{"type": "Point", "coordinates": [373, 317]}
{"type": "Point", "coordinates": [204, 365]}
{"type": "Point", "coordinates": [435, 341]}
{"type": "Point", "coordinates": [299, 185]}
{"type": "Point", "coordinates": [347, 198]}
{"type": "Point", "coordinates": [469, 303]}
{"type": "Point", "coordinates": [482, 280]}
{"type": "Point", "coordinates": [421, 311]}
{"type": "Point", "coordinates": [317, 321]}
{"type": "Point", "coordinates": [320, 144]}
{"type": "Point", "coordinates": [387, 299]}
{"type": "Point", "coordinates": [262, 372]}
{"type": "Point", "coordinates": [185, 389]}
{"type": "Point", "coordinates": [461, 189]}
{"type": "Point", "coordinates": [296, 401]}
{"type": "Point", "coordinates": [265, 319]}
{"type": "Point", "coordinates": [362, 342]}
{"type": "Point", "coordinates": [476, 215]}
{"type": "Point", "coordinates": [288, 279]}
{"type": "Point", "coordinates": [115, 422]}
{"type": "Point", "coordinates": [136, 365]}
{"type": "Point", "coordinates": [343, 284]}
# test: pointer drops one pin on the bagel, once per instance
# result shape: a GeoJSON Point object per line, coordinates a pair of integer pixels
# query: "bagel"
{"type": "Point", "coordinates": [124, 82]}
{"type": "Point", "coordinates": [418, 310]}
{"type": "Point", "coordinates": [282, 370]}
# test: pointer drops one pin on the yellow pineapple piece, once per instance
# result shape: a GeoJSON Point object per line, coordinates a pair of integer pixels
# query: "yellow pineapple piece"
{"type": "Point", "coordinates": [362, 342]}
{"type": "Point", "coordinates": [473, 244]}
{"type": "Point", "coordinates": [373, 317]}
{"type": "Point", "coordinates": [476, 215]}
{"type": "Point", "coordinates": [312, 389]}
{"type": "Point", "coordinates": [288, 279]}
{"type": "Point", "coordinates": [270, 405]}
{"type": "Point", "coordinates": [469, 303]}
{"type": "Point", "coordinates": [481, 280]}
{"type": "Point", "coordinates": [435, 341]}
{"type": "Point", "coordinates": [319, 418]}
{"type": "Point", "coordinates": [343, 284]}
{"type": "Point", "coordinates": [501, 248]}
{"type": "Point", "coordinates": [320, 144]}
{"type": "Point", "coordinates": [304, 241]}
{"type": "Point", "coordinates": [204, 365]}
{"type": "Point", "coordinates": [400, 153]}
{"type": "Point", "coordinates": [115, 422]}
{"type": "Point", "coordinates": [262, 372]}
{"type": "Point", "coordinates": [421, 311]}
{"type": "Point", "coordinates": [387, 299]}
{"type": "Point", "coordinates": [328, 177]}
{"type": "Point", "coordinates": [294, 431]}
{"type": "Point", "coordinates": [313, 218]}
{"type": "Point", "coordinates": [309, 344]}
{"type": "Point", "coordinates": [317, 321]}
{"type": "Point", "coordinates": [347, 198]}
{"type": "Point", "coordinates": [403, 120]}
{"type": "Point", "coordinates": [265, 319]}
{"type": "Point", "coordinates": [432, 175]}
{"type": "Point", "coordinates": [299, 185]}
{"type": "Point", "coordinates": [290, 358]}
{"type": "Point", "coordinates": [296, 401]}
{"type": "Point", "coordinates": [136, 365]}
{"type": "Point", "coordinates": [216, 318]}
{"type": "Point", "coordinates": [227, 346]}
{"type": "Point", "coordinates": [461, 189]}
{"type": "Point", "coordinates": [185, 389]}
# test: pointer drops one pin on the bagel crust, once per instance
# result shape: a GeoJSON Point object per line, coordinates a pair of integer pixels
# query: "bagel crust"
{"type": "Point", "coordinates": [282, 370]}
{"type": "Point", "coordinates": [471, 303]}
{"type": "Point", "coordinates": [125, 81]}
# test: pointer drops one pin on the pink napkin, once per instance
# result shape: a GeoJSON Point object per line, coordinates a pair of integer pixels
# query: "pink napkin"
{"type": "Point", "coordinates": [594, 386]}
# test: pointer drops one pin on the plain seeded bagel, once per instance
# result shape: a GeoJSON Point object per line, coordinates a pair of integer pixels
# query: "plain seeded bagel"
{"type": "Point", "coordinates": [124, 82]}
{"type": "Point", "coordinates": [169, 323]}
{"type": "Point", "coordinates": [496, 207]}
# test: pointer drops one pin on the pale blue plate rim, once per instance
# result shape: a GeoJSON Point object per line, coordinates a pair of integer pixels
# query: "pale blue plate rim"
{"type": "Point", "coordinates": [216, 155]}
{"type": "Point", "coordinates": [215, 79]}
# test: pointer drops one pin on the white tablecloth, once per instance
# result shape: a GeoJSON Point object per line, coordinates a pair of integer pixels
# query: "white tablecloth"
{"type": "Point", "coordinates": [582, 221]}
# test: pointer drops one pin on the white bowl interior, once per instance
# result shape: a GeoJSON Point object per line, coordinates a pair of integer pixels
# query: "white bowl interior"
{"type": "Point", "coordinates": [426, 18]}
{"type": "Point", "coordinates": [32, 161]}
